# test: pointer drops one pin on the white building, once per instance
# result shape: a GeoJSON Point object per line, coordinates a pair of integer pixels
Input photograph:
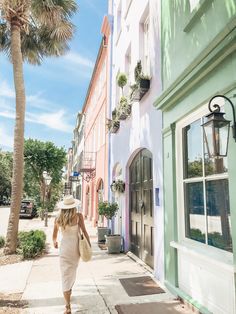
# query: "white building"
{"type": "Point", "coordinates": [77, 149]}
{"type": "Point", "coordinates": [136, 148]}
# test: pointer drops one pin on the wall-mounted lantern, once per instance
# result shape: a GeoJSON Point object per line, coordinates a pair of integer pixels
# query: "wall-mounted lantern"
{"type": "Point", "coordinates": [216, 129]}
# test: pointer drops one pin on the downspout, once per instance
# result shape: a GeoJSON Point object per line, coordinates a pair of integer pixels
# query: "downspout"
{"type": "Point", "coordinates": [111, 19]}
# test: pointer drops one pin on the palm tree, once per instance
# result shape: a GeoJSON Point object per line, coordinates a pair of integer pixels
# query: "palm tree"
{"type": "Point", "coordinates": [29, 31]}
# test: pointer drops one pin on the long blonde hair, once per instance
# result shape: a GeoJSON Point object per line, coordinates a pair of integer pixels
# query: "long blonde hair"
{"type": "Point", "coordinates": [66, 216]}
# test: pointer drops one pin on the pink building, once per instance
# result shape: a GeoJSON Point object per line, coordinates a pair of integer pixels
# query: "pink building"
{"type": "Point", "coordinates": [94, 161]}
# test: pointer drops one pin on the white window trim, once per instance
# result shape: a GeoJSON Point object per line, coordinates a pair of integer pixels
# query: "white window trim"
{"type": "Point", "coordinates": [208, 250]}
{"type": "Point", "coordinates": [146, 46]}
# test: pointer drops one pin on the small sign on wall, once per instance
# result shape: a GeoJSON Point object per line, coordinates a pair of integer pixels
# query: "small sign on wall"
{"type": "Point", "coordinates": [157, 196]}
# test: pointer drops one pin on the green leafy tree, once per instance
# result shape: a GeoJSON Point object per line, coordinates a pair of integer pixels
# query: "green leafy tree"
{"type": "Point", "coordinates": [29, 31]}
{"type": "Point", "coordinates": [39, 157]}
{"type": "Point", "coordinates": [5, 174]}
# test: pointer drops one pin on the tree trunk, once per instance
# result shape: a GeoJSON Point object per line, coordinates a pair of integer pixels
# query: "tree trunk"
{"type": "Point", "coordinates": [18, 155]}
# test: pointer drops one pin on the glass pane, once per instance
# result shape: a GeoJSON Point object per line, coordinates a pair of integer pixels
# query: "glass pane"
{"type": "Point", "coordinates": [192, 137]}
{"type": "Point", "coordinates": [218, 214]}
{"type": "Point", "coordinates": [194, 212]}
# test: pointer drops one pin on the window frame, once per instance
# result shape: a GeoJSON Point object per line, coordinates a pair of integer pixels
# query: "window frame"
{"type": "Point", "coordinates": [146, 46]}
{"type": "Point", "coordinates": [180, 193]}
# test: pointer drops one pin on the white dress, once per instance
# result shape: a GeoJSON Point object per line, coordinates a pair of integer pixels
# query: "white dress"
{"type": "Point", "coordinates": [69, 256]}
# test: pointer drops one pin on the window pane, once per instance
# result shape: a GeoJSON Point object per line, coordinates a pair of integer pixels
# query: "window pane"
{"type": "Point", "coordinates": [194, 212]}
{"type": "Point", "coordinates": [218, 214]}
{"type": "Point", "coordinates": [193, 150]}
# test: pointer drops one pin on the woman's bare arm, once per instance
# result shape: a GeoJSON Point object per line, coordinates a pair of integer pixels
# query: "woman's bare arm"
{"type": "Point", "coordinates": [82, 226]}
{"type": "Point", "coordinates": [54, 235]}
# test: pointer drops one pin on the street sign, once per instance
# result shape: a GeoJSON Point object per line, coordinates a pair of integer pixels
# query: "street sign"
{"type": "Point", "coordinates": [74, 179]}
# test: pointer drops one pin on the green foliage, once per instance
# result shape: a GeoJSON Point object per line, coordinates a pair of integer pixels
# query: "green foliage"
{"type": "Point", "coordinates": [46, 27]}
{"type": "Point", "coordinates": [122, 80]}
{"type": "Point", "coordinates": [114, 113]}
{"type": "Point", "coordinates": [197, 235]}
{"type": "Point", "coordinates": [123, 101]}
{"type": "Point", "coordinates": [2, 241]}
{"type": "Point", "coordinates": [31, 243]}
{"type": "Point", "coordinates": [112, 124]}
{"type": "Point", "coordinates": [138, 71]}
{"type": "Point", "coordinates": [39, 157]}
{"type": "Point", "coordinates": [5, 174]}
{"type": "Point", "coordinates": [118, 186]}
{"type": "Point", "coordinates": [107, 209]}
{"type": "Point", "coordinates": [216, 239]}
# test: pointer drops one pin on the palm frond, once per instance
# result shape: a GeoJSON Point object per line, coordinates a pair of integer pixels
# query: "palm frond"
{"type": "Point", "coordinates": [50, 45]}
{"type": "Point", "coordinates": [31, 46]}
{"type": "Point", "coordinates": [63, 31]}
{"type": "Point", "coordinates": [5, 39]}
{"type": "Point", "coordinates": [69, 6]}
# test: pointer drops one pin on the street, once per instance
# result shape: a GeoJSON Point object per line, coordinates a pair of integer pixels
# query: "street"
{"type": "Point", "coordinates": [4, 215]}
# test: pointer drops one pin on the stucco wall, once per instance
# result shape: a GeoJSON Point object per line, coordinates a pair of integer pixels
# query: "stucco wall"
{"type": "Point", "coordinates": [143, 128]}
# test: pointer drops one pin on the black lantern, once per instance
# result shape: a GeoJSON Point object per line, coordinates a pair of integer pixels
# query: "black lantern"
{"type": "Point", "coordinates": [216, 129]}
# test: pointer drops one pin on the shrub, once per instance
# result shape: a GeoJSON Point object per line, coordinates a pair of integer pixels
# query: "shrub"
{"type": "Point", "coordinates": [2, 241]}
{"type": "Point", "coordinates": [31, 243]}
{"type": "Point", "coordinates": [122, 80]}
{"type": "Point", "coordinates": [107, 209]}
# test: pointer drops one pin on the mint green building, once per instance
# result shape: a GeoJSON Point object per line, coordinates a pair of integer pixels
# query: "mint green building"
{"type": "Point", "coordinates": [199, 62]}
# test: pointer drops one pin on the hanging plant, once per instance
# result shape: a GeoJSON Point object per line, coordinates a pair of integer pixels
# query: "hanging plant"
{"type": "Point", "coordinates": [141, 85]}
{"type": "Point", "coordinates": [118, 186]}
{"type": "Point", "coordinates": [113, 125]}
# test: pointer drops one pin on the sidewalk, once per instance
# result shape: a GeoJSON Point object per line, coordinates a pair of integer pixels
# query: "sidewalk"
{"type": "Point", "coordinates": [97, 288]}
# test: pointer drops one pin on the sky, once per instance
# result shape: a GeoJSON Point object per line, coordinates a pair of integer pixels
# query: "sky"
{"type": "Point", "coordinates": [55, 90]}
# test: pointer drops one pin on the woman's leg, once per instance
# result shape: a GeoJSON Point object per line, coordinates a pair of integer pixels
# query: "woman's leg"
{"type": "Point", "coordinates": [67, 295]}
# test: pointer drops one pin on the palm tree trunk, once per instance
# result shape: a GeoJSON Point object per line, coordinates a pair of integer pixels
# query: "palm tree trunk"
{"type": "Point", "coordinates": [18, 156]}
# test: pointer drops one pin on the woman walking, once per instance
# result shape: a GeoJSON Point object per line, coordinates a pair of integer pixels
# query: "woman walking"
{"type": "Point", "coordinates": [69, 222]}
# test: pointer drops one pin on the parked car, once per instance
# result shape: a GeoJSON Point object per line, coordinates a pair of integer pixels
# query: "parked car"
{"type": "Point", "coordinates": [5, 202]}
{"type": "Point", "coordinates": [28, 209]}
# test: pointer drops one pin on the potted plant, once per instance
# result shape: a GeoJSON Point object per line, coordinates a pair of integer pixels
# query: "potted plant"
{"type": "Point", "coordinates": [141, 85]}
{"type": "Point", "coordinates": [122, 81]}
{"type": "Point", "coordinates": [118, 186]}
{"type": "Point", "coordinates": [124, 109]}
{"type": "Point", "coordinates": [113, 125]}
{"type": "Point", "coordinates": [109, 210]}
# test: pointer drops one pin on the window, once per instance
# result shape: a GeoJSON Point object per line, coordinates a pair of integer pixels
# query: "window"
{"type": "Point", "coordinates": [146, 61]}
{"type": "Point", "coordinates": [205, 188]}
{"type": "Point", "coordinates": [118, 21]}
{"type": "Point", "coordinates": [144, 45]}
{"type": "Point", "coordinates": [128, 70]}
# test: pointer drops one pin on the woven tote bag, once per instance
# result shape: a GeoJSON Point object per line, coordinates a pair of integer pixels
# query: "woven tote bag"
{"type": "Point", "coordinates": [84, 248]}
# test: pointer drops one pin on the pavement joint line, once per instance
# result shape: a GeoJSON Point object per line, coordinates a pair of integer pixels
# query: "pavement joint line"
{"type": "Point", "coordinates": [99, 292]}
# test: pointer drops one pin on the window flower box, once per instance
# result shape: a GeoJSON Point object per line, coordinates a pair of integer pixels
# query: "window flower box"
{"type": "Point", "coordinates": [113, 125]}
{"type": "Point", "coordinates": [141, 89]}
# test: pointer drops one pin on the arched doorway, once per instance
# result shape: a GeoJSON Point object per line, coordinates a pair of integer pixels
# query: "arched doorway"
{"type": "Point", "coordinates": [141, 207]}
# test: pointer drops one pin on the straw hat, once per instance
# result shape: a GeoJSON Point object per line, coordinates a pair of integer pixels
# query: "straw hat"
{"type": "Point", "coordinates": [68, 202]}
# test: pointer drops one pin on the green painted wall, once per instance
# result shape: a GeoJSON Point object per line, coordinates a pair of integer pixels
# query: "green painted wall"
{"type": "Point", "coordinates": [197, 63]}
{"type": "Point", "coordinates": [179, 47]}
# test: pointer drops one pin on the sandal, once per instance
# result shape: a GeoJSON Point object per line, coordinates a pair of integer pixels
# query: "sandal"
{"type": "Point", "coordinates": [68, 309]}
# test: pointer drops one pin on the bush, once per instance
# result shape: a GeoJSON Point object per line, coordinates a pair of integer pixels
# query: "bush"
{"type": "Point", "coordinates": [31, 243]}
{"type": "Point", "coordinates": [2, 241]}
{"type": "Point", "coordinates": [107, 209]}
{"type": "Point", "coordinates": [122, 80]}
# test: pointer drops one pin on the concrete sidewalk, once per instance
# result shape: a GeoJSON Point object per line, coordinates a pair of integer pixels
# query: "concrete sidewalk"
{"type": "Point", "coordinates": [97, 288]}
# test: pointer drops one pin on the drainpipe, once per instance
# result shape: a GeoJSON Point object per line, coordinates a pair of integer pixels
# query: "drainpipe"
{"type": "Point", "coordinates": [111, 19]}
